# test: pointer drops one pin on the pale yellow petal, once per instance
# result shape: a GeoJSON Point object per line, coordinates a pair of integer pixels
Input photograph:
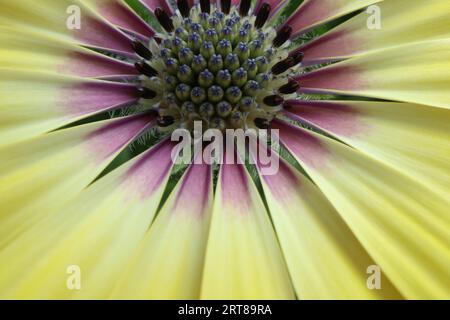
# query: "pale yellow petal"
{"type": "Point", "coordinates": [243, 258]}
{"type": "Point", "coordinates": [169, 261]}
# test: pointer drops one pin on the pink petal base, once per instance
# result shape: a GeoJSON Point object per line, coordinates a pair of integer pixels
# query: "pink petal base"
{"type": "Point", "coordinates": [91, 97]}
{"type": "Point", "coordinates": [283, 183]}
{"type": "Point", "coordinates": [92, 65]}
{"type": "Point", "coordinates": [97, 33]}
{"type": "Point", "coordinates": [149, 173]}
{"type": "Point", "coordinates": [109, 139]}
{"type": "Point", "coordinates": [308, 148]}
{"type": "Point", "coordinates": [332, 79]}
{"type": "Point", "coordinates": [329, 47]}
{"type": "Point", "coordinates": [308, 14]}
{"type": "Point", "coordinates": [195, 190]}
{"type": "Point", "coordinates": [235, 187]}
{"type": "Point", "coordinates": [125, 18]}
{"type": "Point", "coordinates": [334, 117]}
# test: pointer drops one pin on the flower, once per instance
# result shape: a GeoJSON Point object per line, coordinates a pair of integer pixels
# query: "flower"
{"type": "Point", "coordinates": [92, 205]}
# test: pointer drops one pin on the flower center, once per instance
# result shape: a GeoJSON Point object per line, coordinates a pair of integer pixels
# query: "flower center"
{"type": "Point", "coordinates": [222, 67]}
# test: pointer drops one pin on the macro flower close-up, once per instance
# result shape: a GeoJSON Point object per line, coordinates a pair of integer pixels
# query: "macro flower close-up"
{"type": "Point", "coordinates": [352, 96]}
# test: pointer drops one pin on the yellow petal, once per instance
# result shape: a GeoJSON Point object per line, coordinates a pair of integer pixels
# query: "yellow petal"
{"type": "Point", "coordinates": [243, 258]}
{"type": "Point", "coordinates": [312, 13]}
{"type": "Point", "coordinates": [97, 231]}
{"type": "Point", "coordinates": [360, 35]}
{"type": "Point", "coordinates": [416, 73]}
{"type": "Point", "coordinates": [43, 173]}
{"type": "Point", "coordinates": [411, 138]}
{"type": "Point", "coordinates": [70, 20]}
{"type": "Point", "coordinates": [169, 262]}
{"type": "Point", "coordinates": [402, 225]}
{"type": "Point", "coordinates": [325, 259]}
{"type": "Point", "coordinates": [31, 50]}
{"type": "Point", "coordinates": [37, 102]}
{"type": "Point", "coordinates": [119, 13]}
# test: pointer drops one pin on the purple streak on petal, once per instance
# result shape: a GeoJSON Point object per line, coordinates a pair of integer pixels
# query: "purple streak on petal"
{"type": "Point", "coordinates": [149, 173]}
{"type": "Point", "coordinates": [284, 182]}
{"type": "Point", "coordinates": [234, 2]}
{"type": "Point", "coordinates": [328, 47]}
{"type": "Point", "coordinates": [329, 79]}
{"type": "Point", "coordinates": [235, 188]}
{"type": "Point", "coordinates": [308, 148]}
{"type": "Point", "coordinates": [91, 97]}
{"type": "Point", "coordinates": [112, 137]}
{"type": "Point", "coordinates": [97, 33]}
{"type": "Point", "coordinates": [93, 65]}
{"type": "Point", "coordinates": [308, 14]}
{"type": "Point", "coordinates": [195, 190]}
{"type": "Point", "coordinates": [153, 4]}
{"type": "Point", "coordinates": [335, 117]}
{"type": "Point", "coordinates": [122, 16]}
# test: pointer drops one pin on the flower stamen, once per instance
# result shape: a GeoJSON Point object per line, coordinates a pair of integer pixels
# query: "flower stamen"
{"type": "Point", "coordinates": [146, 69]}
{"type": "Point", "coordinates": [225, 5]}
{"type": "Point", "coordinates": [183, 6]}
{"type": "Point", "coordinates": [164, 20]}
{"type": "Point", "coordinates": [244, 7]}
{"type": "Point", "coordinates": [262, 16]}
{"type": "Point", "coordinates": [205, 6]}
{"type": "Point", "coordinates": [290, 87]}
{"type": "Point", "coordinates": [282, 36]}
{"type": "Point", "coordinates": [141, 50]}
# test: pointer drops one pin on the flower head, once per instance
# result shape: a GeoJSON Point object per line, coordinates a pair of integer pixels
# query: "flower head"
{"type": "Point", "coordinates": [220, 66]}
{"type": "Point", "coordinates": [93, 206]}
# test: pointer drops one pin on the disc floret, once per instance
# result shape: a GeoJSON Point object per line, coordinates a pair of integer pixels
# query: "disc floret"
{"type": "Point", "coordinates": [218, 65]}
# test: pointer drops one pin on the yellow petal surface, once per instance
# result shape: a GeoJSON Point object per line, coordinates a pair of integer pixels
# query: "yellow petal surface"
{"type": "Point", "coordinates": [37, 102]}
{"type": "Point", "coordinates": [169, 261]}
{"type": "Point", "coordinates": [97, 231]}
{"type": "Point", "coordinates": [43, 173]}
{"type": "Point", "coordinates": [402, 225]}
{"type": "Point", "coordinates": [361, 34]}
{"type": "Point", "coordinates": [32, 50]}
{"type": "Point", "coordinates": [415, 73]}
{"type": "Point", "coordinates": [243, 258]}
{"type": "Point", "coordinates": [325, 259]}
{"type": "Point", "coordinates": [411, 138]}
{"type": "Point", "coordinates": [70, 20]}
